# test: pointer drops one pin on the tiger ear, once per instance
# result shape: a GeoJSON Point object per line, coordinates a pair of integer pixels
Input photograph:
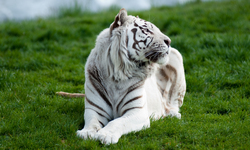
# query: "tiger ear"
{"type": "Point", "coordinates": [119, 19]}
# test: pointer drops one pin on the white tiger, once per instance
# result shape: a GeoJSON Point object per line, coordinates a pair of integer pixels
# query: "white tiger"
{"type": "Point", "coordinates": [132, 74]}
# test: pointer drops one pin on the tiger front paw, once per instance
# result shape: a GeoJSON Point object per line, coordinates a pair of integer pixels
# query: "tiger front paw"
{"type": "Point", "coordinates": [107, 137]}
{"type": "Point", "coordinates": [86, 134]}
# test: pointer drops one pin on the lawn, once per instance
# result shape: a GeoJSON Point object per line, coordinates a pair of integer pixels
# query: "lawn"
{"type": "Point", "coordinates": [40, 57]}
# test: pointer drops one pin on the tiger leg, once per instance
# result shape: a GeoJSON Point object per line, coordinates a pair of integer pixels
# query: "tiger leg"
{"type": "Point", "coordinates": [177, 89]}
{"type": "Point", "coordinates": [133, 120]}
{"type": "Point", "coordinates": [93, 123]}
{"type": "Point", "coordinates": [171, 82]}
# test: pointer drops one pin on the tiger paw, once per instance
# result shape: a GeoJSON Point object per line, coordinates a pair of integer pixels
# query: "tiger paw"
{"type": "Point", "coordinates": [175, 114]}
{"type": "Point", "coordinates": [86, 134]}
{"type": "Point", "coordinates": [107, 137]}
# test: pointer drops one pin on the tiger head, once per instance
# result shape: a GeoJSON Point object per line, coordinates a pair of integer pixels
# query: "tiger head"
{"type": "Point", "coordinates": [142, 40]}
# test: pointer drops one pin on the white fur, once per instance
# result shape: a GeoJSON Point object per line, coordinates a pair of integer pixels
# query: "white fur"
{"type": "Point", "coordinates": [117, 67]}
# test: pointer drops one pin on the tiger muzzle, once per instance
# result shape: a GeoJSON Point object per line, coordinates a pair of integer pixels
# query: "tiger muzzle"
{"type": "Point", "coordinates": [155, 54]}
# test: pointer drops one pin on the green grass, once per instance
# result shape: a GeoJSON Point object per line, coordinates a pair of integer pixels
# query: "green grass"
{"type": "Point", "coordinates": [43, 56]}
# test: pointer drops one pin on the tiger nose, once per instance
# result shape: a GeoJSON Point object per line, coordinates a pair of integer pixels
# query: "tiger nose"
{"type": "Point", "coordinates": [167, 41]}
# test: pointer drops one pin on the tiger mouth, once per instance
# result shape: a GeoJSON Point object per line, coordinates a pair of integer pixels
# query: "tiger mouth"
{"type": "Point", "coordinates": [154, 56]}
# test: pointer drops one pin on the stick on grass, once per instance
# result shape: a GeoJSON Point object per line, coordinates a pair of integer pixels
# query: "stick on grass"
{"type": "Point", "coordinates": [72, 95]}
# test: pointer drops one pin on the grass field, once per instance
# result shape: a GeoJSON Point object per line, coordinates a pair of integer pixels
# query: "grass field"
{"type": "Point", "coordinates": [43, 56]}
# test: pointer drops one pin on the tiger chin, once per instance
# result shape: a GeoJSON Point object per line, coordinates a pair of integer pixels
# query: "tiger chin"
{"type": "Point", "coordinates": [132, 75]}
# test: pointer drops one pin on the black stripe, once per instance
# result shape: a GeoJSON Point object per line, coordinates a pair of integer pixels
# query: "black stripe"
{"type": "Point", "coordinates": [101, 123]}
{"type": "Point", "coordinates": [161, 90]}
{"type": "Point", "coordinates": [137, 53]}
{"type": "Point", "coordinates": [93, 104]}
{"type": "Point", "coordinates": [150, 41]}
{"type": "Point", "coordinates": [96, 82]}
{"type": "Point", "coordinates": [130, 89]}
{"type": "Point", "coordinates": [171, 68]}
{"type": "Point", "coordinates": [87, 87]}
{"type": "Point", "coordinates": [100, 114]}
{"type": "Point", "coordinates": [110, 61]}
{"type": "Point", "coordinates": [143, 31]}
{"type": "Point", "coordinates": [135, 41]}
{"type": "Point", "coordinates": [127, 38]}
{"type": "Point", "coordinates": [131, 100]}
{"type": "Point", "coordinates": [135, 86]}
{"type": "Point", "coordinates": [130, 109]}
{"type": "Point", "coordinates": [127, 41]}
{"type": "Point", "coordinates": [166, 78]}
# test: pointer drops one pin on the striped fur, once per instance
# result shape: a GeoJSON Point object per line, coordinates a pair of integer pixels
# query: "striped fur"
{"type": "Point", "coordinates": [132, 74]}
